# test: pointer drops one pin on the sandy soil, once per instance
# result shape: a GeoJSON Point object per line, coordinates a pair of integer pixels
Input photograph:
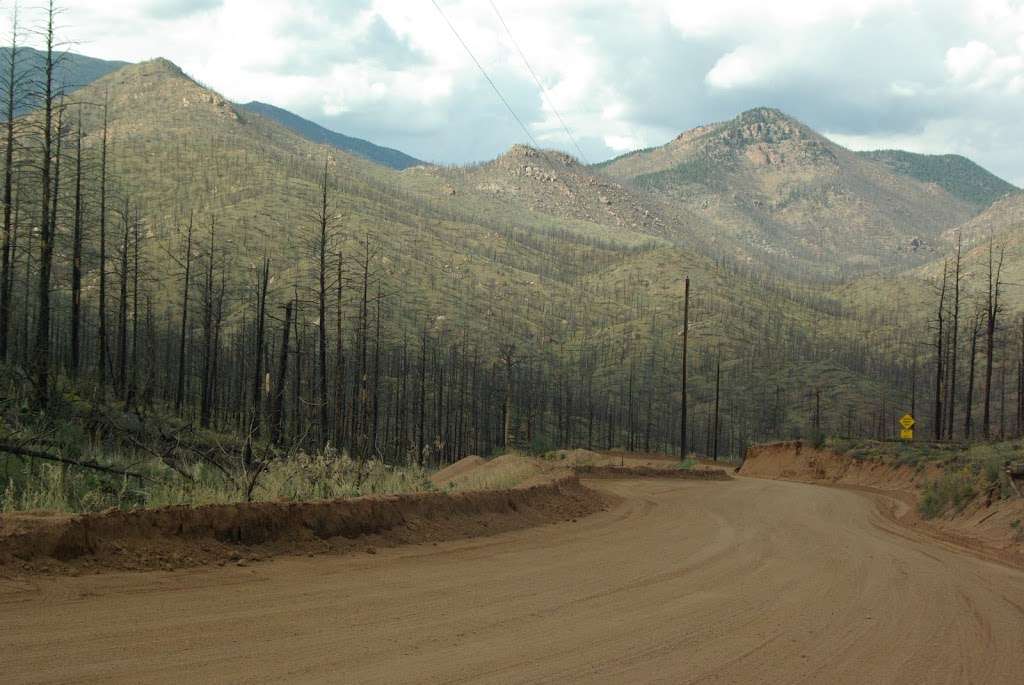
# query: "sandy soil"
{"type": "Point", "coordinates": [741, 582]}
{"type": "Point", "coordinates": [988, 525]}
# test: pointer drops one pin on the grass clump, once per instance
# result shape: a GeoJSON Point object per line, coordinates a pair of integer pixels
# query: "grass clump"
{"type": "Point", "coordinates": [952, 491]}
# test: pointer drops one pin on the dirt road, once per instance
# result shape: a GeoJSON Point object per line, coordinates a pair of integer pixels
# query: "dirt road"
{"type": "Point", "coordinates": [750, 581]}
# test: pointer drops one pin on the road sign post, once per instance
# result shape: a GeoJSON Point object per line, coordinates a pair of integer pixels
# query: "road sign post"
{"type": "Point", "coordinates": [907, 423]}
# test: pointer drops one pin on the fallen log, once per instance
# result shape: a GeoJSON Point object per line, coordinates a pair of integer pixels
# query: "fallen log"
{"type": "Point", "coordinates": [20, 451]}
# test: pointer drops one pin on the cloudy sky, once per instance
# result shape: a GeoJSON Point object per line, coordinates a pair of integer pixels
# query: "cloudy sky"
{"type": "Point", "coordinates": [925, 75]}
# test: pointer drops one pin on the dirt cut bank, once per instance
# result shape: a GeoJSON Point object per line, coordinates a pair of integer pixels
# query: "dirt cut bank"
{"type": "Point", "coordinates": [175, 537]}
{"type": "Point", "coordinates": [982, 522]}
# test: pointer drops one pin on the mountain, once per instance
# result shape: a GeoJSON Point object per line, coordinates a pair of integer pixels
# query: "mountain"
{"type": "Point", "coordinates": [73, 70]}
{"type": "Point", "coordinates": [532, 249]}
{"type": "Point", "coordinates": [318, 134]}
{"type": "Point", "coordinates": [774, 190]}
{"type": "Point", "coordinates": [959, 176]}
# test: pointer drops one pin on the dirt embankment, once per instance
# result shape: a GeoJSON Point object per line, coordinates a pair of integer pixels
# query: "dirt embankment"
{"type": "Point", "coordinates": [175, 537]}
{"type": "Point", "coordinates": [474, 472]}
{"type": "Point", "coordinates": [650, 472]}
{"type": "Point", "coordinates": [619, 464]}
{"type": "Point", "coordinates": [987, 525]}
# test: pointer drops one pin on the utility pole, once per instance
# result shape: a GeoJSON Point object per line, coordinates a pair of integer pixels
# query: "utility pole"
{"type": "Point", "coordinates": [686, 336]}
{"type": "Point", "coordinates": [718, 385]}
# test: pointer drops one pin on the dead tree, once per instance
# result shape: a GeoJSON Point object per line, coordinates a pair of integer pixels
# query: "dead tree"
{"type": "Point", "coordinates": [179, 394]}
{"type": "Point", "coordinates": [76, 256]}
{"type": "Point", "coordinates": [277, 409]}
{"type": "Point", "coordinates": [6, 265]}
{"type": "Point", "coordinates": [686, 340]}
{"type": "Point", "coordinates": [939, 323]}
{"type": "Point", "coordinates": [41, 351]}
{"type": "Point", "coordinates": [992, 310]}
{"type": "Point", "coordinates": [969, 400]}
{"type": "Point", "coordinates": [101, 326]}
{"type": "Point", "coordinates": [953, 342]}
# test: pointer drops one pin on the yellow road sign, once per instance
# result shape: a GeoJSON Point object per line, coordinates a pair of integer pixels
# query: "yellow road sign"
{"type": "Point", "coordinates": [907, 434]}
{"type": "Point", "coordinates": [907, 422]}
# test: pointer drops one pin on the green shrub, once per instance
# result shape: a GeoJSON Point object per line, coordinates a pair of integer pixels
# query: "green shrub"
{"type": "Point", "coordinates": [952, 491]}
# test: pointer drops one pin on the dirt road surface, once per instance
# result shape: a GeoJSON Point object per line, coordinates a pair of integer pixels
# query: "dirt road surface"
{"type": "Point", "coordinates": [749, 581]}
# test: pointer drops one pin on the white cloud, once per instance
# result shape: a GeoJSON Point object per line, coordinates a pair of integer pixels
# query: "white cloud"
{"type": "Point", "coordinates": [622, 143]}
{"type": "Point", "coordinates": [968, 61]}
{"type": "Point", "coordinates": [745, 66]}
{"type": "Point", "coordinates": [928, 75]}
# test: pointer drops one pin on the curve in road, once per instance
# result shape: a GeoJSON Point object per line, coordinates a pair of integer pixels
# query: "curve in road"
{"type": "Point", "coordinates": [749, 581]}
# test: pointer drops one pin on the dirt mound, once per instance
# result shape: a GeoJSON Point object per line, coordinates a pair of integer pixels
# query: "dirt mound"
{"type": "Point", "coordinates": [453, 471]}
{"type": "Point", "coordinates": [621, 459]}
{"type": "Point", "coordinates": [797, 461]}
{"type": "Point", "coordinates": [649, 472]}
{"type": "Point", "coordinates": [174, 537]}
{"type": "Point", "coordinates": [991, 527]}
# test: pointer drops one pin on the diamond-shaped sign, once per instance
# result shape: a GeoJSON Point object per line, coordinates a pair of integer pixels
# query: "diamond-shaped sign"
{"type": "Point", "coordinates": [907, 422]}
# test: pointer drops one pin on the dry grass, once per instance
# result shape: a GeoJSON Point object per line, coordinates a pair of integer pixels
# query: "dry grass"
{"type": "Point", "coordinates": [35, 487]}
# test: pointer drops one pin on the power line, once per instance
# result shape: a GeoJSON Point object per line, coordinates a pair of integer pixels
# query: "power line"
{"type": "Point", "coordinates": [543, 90]}
{"type": "Point", "coordinates": [484, 72]}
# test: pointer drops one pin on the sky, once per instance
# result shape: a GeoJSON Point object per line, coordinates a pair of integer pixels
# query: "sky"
{"type": "Point", "coordinates": [931, 76]}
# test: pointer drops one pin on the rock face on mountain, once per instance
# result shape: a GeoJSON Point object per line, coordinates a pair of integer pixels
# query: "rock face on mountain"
{"type": "Point", "coordinates": [775, 189]}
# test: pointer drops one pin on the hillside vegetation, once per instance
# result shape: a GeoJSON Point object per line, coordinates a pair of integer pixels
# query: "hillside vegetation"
{"type": "Point", "coordinates": [774, 191]}
{"type": "Point", "coordinates": [956, 174]}
{"type": "Point", "coordinates": [246, 294]}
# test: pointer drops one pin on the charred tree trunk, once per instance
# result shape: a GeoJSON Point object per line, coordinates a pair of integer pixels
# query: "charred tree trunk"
{"type": "Point", "coordinates": [686, 340]}
{"type": "Point", "coordinates": [6, 250]}
{"type": "Point", "coordinates": [41, 351]}
{"type": "Point", "coordinates": [939, 358]}
{"type": "Point", "coordinates": [277, 412]}
{"type": "Point", "coordinates": [995, 269]}
{"type": "Point", "coordinates": [76, 258]}
{"type": "Point", "coordinates": [101, 364]}
{"type": "Point", "coordinates": [179, 395]}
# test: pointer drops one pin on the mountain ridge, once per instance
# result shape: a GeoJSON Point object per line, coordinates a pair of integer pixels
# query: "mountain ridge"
{"type": "Point", "coordinates": [314, 132]}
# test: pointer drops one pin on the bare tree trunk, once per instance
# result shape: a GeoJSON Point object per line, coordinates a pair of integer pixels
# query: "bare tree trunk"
{"type": "Point", "coordinates": [339, 362]}
{"type": "Point", "coordinates": [179, 395]}
{"type": "Point", "coordinates": [205, 406]}
{"type": "Point", "coordinates": [101, 364]}
{"type": "Point", "coordinates": [122, 317]}
{"type": "Point", "coordinates": [969, 401]}
{"type": "Point", "coordinates": [277, 413]}
{"type": "Point", "coordinates": [686, 340]}
{"type": "Point", "coordinates": [718, 387]}
{"type": "Point", "coordinates": [995, 269]}
{"type": "Point", "coordinates": [6, 265]}
{"type": "Point", "coordinates": [76, 257]}
{"type": "Point", "coordinates": [421, 435]}
{"type": "Point", "coordinates": [937, 428]}
{"type": "Point", "coordinates": [133, 382]}
{"type": "Point", "coordinates": [41, 352]}
{"type": "Point", "coordinates": [321, 396]}
{"type": "Point", "coordinates": [376, 376]}
{"type": "Point", "coordinates": [257, 385]}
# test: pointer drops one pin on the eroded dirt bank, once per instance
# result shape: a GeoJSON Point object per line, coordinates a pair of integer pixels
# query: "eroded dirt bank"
{"type": "Point", "coordinates": [175, 537]}
{"type": "Point", "coordinates": [985, 525]}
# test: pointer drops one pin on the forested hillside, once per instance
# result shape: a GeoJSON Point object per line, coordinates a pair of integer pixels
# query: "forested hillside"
{"type": "Point", "coordinates": [225, 240]}
{"type": "Point", "coordinates": [186, 276]}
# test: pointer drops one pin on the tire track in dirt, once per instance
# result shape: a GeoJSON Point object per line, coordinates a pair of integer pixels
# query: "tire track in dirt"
{"type": "Point", "coordinates": [741, 582]}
